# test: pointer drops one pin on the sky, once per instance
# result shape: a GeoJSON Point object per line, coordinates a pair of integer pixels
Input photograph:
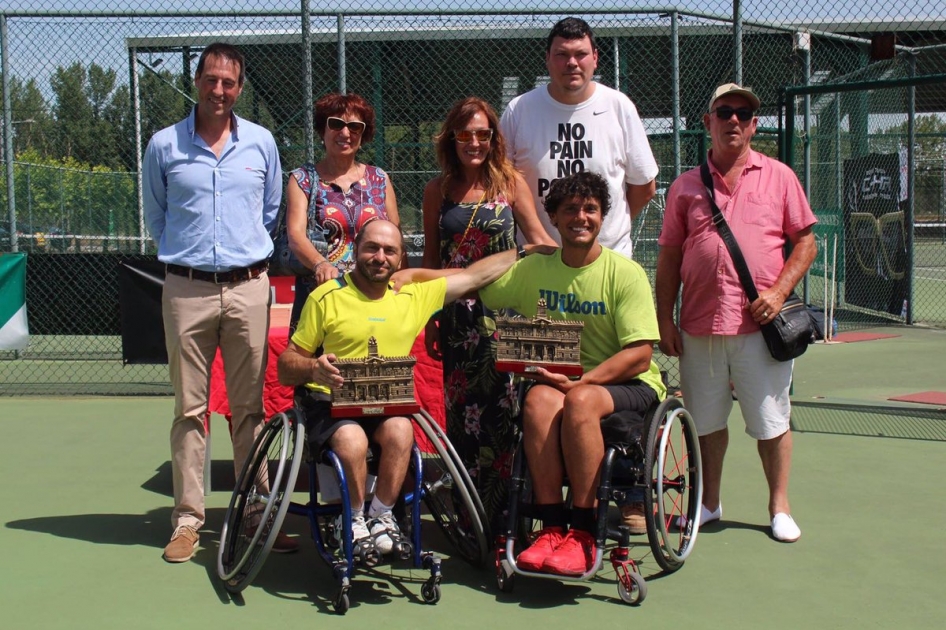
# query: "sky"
{"type": "Point", "coordinates": [37, 45]}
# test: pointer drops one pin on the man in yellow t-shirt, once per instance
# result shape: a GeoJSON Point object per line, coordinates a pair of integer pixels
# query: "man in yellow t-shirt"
{"type": "Point", "coordinates": [339, 317]}
{"type": "Point", "coordinates": [562, 418]}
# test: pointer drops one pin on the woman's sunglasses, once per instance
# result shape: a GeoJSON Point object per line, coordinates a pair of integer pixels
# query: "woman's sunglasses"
{"type": "Point", "coordinates": [744, 114]}
{"type": "Point", "coordinates": [464, 136]}
{"type": "Point", "coordinates": [337, 124]}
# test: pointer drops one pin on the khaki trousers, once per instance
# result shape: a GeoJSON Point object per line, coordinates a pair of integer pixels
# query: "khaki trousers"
{"type": "Point", "coordinates": [199, 317]}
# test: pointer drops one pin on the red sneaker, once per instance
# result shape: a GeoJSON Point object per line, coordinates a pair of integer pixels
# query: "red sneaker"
{"type": "Point", "coordinates": [545, 544]}
{"type": "Point", "coordinates": [574, 556]}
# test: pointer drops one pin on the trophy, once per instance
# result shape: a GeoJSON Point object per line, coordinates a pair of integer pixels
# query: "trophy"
{"type": "Point", "coordinates": [526, 344]}
{"type": "Point", "coordinates": [375, 386]}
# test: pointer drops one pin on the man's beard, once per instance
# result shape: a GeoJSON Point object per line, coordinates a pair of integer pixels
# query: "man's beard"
{"type": "Point", "coordinates": [373, 274]}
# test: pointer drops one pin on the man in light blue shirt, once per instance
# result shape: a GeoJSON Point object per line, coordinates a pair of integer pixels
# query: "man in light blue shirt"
{"type": "Point", "coordinates": [212, 186]}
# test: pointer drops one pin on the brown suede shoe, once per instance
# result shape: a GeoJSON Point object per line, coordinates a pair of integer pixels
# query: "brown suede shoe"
{"type": "Point", "coordinates": [632, 515]}
{"type": "Point", "coordinates": [285, 544]}
{"type": "Point", "coordinates": [282, 544]}
{"type": "Point", "coordinates": [183, 544]}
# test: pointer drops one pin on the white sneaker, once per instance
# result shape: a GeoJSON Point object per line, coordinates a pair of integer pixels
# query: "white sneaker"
{"type": "Point", "coordinates": [705, 516]}
{"type": "Point", "coordinates": [385, 531]}
{"type": "Point", "coordinates": [359, 531]}
{"type": "Point", "coordinates": [784, 528]}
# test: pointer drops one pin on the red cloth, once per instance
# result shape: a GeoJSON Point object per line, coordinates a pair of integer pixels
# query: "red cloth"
{"type": "Point", "coordinates": [428, 382]}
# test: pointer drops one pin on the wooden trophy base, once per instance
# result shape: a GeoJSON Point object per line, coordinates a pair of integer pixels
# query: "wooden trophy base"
{"type": "Point", "coordinates": [525, 367]}
{"type": "Point", "coordinates": [369, 410]}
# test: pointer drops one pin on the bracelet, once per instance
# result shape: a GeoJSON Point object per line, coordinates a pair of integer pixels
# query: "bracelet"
{"type": "Point", "coordinates": [321, 262]}
{"type": "Point", "coordinates": [521, 253]}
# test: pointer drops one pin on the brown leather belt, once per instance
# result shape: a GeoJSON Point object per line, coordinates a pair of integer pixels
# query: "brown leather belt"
{"type": "Point", "coordinates": [230, 276]}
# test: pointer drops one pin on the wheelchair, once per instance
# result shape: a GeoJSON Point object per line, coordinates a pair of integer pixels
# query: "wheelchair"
{"type": "Point", "coordinates": [660, 458]}
{"type": "Point", "coordinates": [263, 492]}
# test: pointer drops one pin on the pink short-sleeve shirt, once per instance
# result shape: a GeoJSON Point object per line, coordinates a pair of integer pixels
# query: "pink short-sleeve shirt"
{"type": "Point", "coordinates": [767, 205]}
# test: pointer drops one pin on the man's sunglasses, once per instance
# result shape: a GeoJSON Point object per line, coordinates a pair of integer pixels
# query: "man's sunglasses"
{"type": "Point", "coordinates": [337, 124]}
{"type": "Point", "coordinates": [466, 135]}
{"type": "Point", "coordinates": [744, 114]}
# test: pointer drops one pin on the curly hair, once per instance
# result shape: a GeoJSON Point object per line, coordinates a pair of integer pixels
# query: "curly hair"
{"type": "Point", "coordinates": [499, 175]}
{"type": "Point", "coordinates": [337, 105]}
{"type": "Point", "coordinates": [584, 185]}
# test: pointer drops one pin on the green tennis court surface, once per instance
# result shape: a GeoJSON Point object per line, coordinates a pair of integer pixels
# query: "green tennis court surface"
{"type": "Point", "coordinates": [86, 508]}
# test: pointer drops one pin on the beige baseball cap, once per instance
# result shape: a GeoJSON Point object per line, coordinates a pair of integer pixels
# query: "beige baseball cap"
{"type": "Point", "coordinates": [738, 90]}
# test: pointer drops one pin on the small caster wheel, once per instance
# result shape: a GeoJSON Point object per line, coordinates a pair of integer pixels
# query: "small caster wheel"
{"type": "Point", "coordinates": [341, 602]}
{"type": "Point", "coordinates": [504, 582]}
{"type": "Point", "coordinates": [634, 593]}
{"type": "Point", "coordinates": [404, 550]}
{"type": "Point", "coordinates": [370, 557]}
{"type": "Point", "coordinates": [430, 592]}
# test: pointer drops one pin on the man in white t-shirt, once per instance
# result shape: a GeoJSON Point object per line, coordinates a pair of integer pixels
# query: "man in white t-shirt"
{"type": "Point", "coordinates": [575, 124]}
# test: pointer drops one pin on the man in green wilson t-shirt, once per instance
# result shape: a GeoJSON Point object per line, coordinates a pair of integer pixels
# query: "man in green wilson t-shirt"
{"type": "Point", "coordinates": [562, 417]}
{"type": "Point", "coordinates": [339, 316]}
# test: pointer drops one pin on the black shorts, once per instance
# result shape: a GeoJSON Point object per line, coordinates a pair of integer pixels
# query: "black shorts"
{"type": "Point", "coordinates": [632, 401]}
{"type": "Point", "coordinates": [320, 426]}
{"type": "Point", "coordinates": [634, 395]}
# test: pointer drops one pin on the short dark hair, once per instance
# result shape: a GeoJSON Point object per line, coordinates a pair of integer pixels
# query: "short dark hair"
{"type": "Point", "coordinates": [227, 51]}
{"type": "Point", "coordinates": [337, 105]}
{"type": "Point", "coordinates": [571, 28]}
{"type": "Point", "coordinates": [584, 185]}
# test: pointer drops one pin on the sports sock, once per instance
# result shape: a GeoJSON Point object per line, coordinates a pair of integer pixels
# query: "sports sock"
{"type": "Point", "coordinates": [377, 508]}
{"type": "Point", "coordinates": [583, 519]}
{"type": "Point", "coordinates": [551, 514]}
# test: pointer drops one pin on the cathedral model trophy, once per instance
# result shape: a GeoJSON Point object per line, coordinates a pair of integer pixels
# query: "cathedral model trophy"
{"type": "Point", "coordinates": [527, 344]}
{"type": "Point", "coordinates": [375, 386]}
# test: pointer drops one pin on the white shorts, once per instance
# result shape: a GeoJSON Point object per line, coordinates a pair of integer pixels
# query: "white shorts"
{"type": "Point", "coordinates": [761, 383]}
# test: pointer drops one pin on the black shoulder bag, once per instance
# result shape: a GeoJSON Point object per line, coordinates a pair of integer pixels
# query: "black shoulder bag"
{"type": "Point", "coordinates": [284, 262]}
{"type": "Point", "coordinates": [788, 335]}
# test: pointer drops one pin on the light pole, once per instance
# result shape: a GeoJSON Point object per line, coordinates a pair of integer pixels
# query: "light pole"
{"type": "Point", "coordinates": [25, 121]}
{"type": "Point", "coordinates": [7, 144]}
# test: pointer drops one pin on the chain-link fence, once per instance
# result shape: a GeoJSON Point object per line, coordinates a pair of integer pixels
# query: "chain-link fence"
{"type": "Point", "coordinates": [873, 154]}
{"type": "Point", "coordinates": [87, 82]}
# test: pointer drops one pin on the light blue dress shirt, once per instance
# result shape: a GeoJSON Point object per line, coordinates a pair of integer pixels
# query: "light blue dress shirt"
{"type": "Point", "coordinates": [211, 213]}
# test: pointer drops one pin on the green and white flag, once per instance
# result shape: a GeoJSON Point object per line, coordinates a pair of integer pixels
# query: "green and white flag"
{"type": "Point", "coordinates": [14, 333]}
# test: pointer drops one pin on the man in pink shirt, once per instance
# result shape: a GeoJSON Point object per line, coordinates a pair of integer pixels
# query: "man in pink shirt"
{"type": "Point", "coordinates": [718, 340]}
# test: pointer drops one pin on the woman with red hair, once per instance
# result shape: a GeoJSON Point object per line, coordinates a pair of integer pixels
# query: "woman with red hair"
{"type": "Point", "coordinates": [348, 195]}
{"type": "Point", "coordinates": [474, 208]}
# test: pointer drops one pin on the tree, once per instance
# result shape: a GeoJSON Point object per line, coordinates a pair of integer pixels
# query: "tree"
{"type": "Point", "coordinates": [86, 113]}
{"type": "Point", "coordinates": [32, 123]}
{"type": "Point", "coordinates": [930, 132]}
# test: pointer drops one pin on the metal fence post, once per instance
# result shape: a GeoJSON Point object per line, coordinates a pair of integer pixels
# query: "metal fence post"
{"type": "Point", "coordinates": [911, 173]}
{"type": "Point", "coordinates": [8, 129]}
{"type": "Point", "coordinates": [675, 88]}
{"type": "Point", "coordinates": [136, 112]}
{"type": "Point", "coordinates": [342, 79]}
{"type": "Point", "coordinates": [737, 42]}
{"type": "Point", "coordinates": [307, 83]}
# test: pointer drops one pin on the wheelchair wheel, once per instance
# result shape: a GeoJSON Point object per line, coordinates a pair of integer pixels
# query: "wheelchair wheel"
{"type": "Point", "coordinates": [674, 477]}
{"type": "Point", "coordinates": [634, 592]}
{"type": "Point", "coordinates": [261, 498]}
{"type": "Point", "coordinates": [451, 498]}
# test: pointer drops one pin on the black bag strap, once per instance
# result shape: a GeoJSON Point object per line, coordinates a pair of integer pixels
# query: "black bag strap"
{"type": "Point", "coordinates": [742, 269]}
{"type": "Point", "coordinates": [313, 188]}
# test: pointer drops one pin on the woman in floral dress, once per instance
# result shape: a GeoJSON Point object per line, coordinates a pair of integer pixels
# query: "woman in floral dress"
{"type": "Point", "coordinates": [349, 195]}
{"type": "Point", "coordinates": [473, 209]}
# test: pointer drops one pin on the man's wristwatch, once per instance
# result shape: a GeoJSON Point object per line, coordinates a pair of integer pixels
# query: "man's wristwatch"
{"type": "Point", "coordinates": [522, 253]}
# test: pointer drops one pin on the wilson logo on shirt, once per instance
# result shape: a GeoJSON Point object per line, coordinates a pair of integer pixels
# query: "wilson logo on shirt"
{"type": "Point", "coordinates": [571, 303]}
